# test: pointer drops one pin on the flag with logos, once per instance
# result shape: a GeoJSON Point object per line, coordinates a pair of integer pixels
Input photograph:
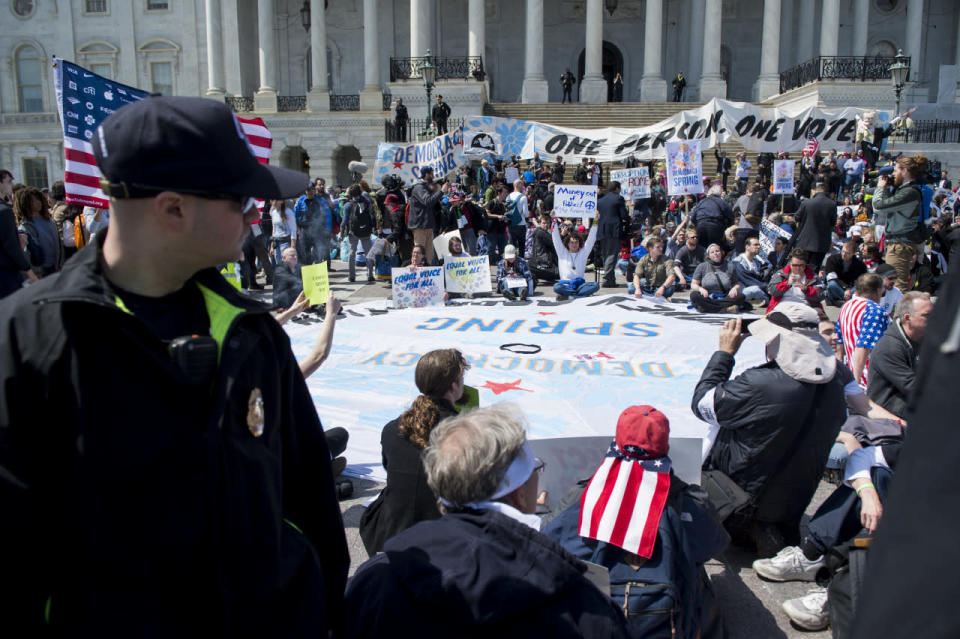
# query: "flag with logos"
{"type": "Point", "coordinates": [84, 100]}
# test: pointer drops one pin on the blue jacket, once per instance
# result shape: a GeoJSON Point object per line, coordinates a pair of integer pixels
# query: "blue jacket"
{"type": "Point", "coordinates": [304, 214]}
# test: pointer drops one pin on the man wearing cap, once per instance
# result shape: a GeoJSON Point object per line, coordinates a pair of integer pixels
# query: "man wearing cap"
{"type": "Point", "coordinates": [194, 496]}
{"type": "Point", "coordinates": [891, 294]}
{"type": "Point", "coordinates": [510, 271]}
{"type": "Point", "coordinates": [772, 426]}
{"type": "Point", "coordinates": [483, 568]}
{"type": "Point", "coordinates": [440, 114]}
{"type": "Point", "coordinates": [667, 531]}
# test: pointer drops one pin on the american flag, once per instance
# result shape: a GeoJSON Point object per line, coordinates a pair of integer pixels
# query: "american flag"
{"type": "Point", "coordinates": [862, 323]}
{"type": "Point", "coordinates": [623, 503]}
{"type": "Point", "coordinates": [84, 100]}
{"type": "Point", "coordinates": [812, 145]}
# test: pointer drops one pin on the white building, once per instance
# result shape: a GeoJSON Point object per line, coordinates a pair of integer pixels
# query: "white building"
{"type": "Point", "coordinates": [259, 54]}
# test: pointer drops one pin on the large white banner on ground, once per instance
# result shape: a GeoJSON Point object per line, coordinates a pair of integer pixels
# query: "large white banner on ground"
{"type": "Point", "coordinates": [756, 128]}
{"type": "Point", "coordinates": [443, 154]}
{"type": "Point", "coordinates": [572, 367]}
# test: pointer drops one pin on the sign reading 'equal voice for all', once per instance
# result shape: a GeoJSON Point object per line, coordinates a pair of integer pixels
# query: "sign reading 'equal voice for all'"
{"type": "Point", "coordinates": [467, 274]}
{"type": "Point", "coordinates": [575, 200]}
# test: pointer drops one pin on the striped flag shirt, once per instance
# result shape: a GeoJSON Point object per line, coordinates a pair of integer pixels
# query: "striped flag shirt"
{"type": "Point", "coordinates": [862, 323]}
{"type": "Point", "coordinates": [624, 500]}
{"type": "Point", "coordinates": [84, 100]}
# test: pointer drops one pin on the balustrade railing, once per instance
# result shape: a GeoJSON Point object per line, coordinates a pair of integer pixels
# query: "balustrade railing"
{"type": "Point", "coordinates": [460, 68]}
{"type": "Point", "coordinates": [837, 68]}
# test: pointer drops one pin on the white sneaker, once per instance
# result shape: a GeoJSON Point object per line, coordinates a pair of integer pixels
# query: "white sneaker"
{"type": "Point", "coordinates": [789, 564]}
{"type": "Point", "coordinates": [810, 611]}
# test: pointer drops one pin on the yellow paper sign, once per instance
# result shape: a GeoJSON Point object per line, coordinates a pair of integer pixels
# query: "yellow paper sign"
{"type": "Point", "coordinates": [316, 283]}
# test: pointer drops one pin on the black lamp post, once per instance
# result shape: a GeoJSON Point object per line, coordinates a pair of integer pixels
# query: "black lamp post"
{"type": "Point", "coordinates": [305, 15]}
{"type": "Point", "coordinates": [899, 71]}
{"type": "Point", "coordinates": [611, 6]}
{"type": "Point", "coordinates": [429, 71]}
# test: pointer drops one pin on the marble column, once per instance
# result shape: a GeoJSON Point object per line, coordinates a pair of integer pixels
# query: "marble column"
{"type": "Point", "coordinates": [265, 99]}
{"type": "Point", "coordinates": [914, 39]}
{"type": "Point", "coordinates": [694, 68]}
{"type": "Point", "coordinates": [861, 22]}
{"type": "Point", "coordinates": [477, 25]}
{"type": "Point", "coordinates": [768, 82]}
{"type": "Point", "coordinates": [806, 14]}
{"type": "Point", "coordinates": [215, 84]}
{"type": "Point", "coordinates": [653, 88]}
{"type": "Point", "coordinates": [419, 28]}
{"type": "Point", "coordinates": [535, 88]}
{"type": "Point", "coordinates": [318, 99]}
{"type": "Point", "coordinates": [830, 27]}
{"type": "Point", "coordinates": [712, 85]}
{"type": "Point", "coordinates": [593, 88]}
{"type": "Point", "coordinates": [371, 97]}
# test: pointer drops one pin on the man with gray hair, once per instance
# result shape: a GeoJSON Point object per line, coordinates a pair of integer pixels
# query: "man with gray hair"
{"type": "Point", "coordinates": [483, 568]}
{"type": "Point", "coordinates": [711, 216]}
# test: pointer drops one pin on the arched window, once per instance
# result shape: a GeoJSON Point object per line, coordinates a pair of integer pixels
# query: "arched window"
{"type": "Point", "coordinates": [29, 65]}
{"type": "Point", "coordinates": [100, 57]}
{"type": "Point", "coordinates": [161, 64]}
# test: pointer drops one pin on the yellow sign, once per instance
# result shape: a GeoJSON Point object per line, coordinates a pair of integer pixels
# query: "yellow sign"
{"type": "Point", "coordinates": [316, 283]}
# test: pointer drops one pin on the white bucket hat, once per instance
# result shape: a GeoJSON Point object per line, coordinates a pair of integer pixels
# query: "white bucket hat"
{"type": "Point", "coordinates": [791, 333]}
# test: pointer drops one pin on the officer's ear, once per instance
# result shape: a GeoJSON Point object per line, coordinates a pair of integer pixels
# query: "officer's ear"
{"type": "Point", "coordinates": [168, 210]}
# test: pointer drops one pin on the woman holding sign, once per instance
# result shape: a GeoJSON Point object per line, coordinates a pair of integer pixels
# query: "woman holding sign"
{"type": "Point", "coordinates": [572, 256]}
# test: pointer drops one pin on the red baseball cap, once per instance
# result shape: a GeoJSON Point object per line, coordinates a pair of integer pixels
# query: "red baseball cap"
{"type": "Point", "coordinates": [643, 432]}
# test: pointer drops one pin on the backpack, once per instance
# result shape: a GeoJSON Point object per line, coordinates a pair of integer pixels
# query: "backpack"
{"type": "Point", "coordinates": [512, 213]}
{"type": "Point", "coordinates": [361, 218]}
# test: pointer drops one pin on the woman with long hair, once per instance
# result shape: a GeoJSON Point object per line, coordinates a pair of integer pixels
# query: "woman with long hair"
{"type": "Point", "coordinates": [407, 499]}
{"type": "Point", "coordinates": [44, 247]}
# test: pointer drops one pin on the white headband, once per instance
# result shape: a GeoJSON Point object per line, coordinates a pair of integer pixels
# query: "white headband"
{"type": "Point", "coordinates": [517, 474]}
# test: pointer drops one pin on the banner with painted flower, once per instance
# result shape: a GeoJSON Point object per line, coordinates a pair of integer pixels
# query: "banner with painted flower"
{"type": "Point", "coordinates": [443, 154]}
{"type": "Point", "coordinates": [684, 168]}
{"type": "Point", "coordinates": [783, 176]}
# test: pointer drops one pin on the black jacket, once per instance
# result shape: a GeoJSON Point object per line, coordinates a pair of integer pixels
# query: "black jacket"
{"type": "Point", "coordinates": [612, 216]}
{"type": "Point", "coordinates": [287, 285]}
{"type": "Point", "coordinates": [771, 427]}
{"type": "Point", "coordinates": [816, 219]}
{"type": "Point", "coordinates": [893, 369]}
{"type": "Point", "coordinates": [847, 274]}
{"type": "Point", "coordinates": [424, 207]}
{"type": "Point", "coordinates": [11, 255]}
{"type": "Point", "coordinates": [135, 504]}
{"type": "Point", "coordinates": [714, 211]}
{"type": "Point", "coordinates": [406, 499]}
{"type": "Point", "coordinates": [477, 574]}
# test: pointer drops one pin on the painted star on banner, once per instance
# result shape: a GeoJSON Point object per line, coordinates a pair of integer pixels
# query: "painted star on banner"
{"type": "Point", "coordinates": [398, 165]}
{"type": "Point", "coordinates": [498, 388]}
{"type": "Point", "coordinates": [546, 313]}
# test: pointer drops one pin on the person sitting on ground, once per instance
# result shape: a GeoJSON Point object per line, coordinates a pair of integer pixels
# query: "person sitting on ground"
{"type": "Point", "coordinates": [891, 294]}
{"type": "Point", "coordinates": [689, 257]}
{"type": "Point", "coordinates": [482, 569]}
{"type": "Point", "coordinates": [841, 270]}
{"type": "Point", "coordinates": [654, 274]}
{"type": "Point", "coordinates": [893, 362]}
{"type": "Point", "coordinates": [855, 506]}
{"type": "Point", "coordinates": [455, 248]}
{"type": "Point", "coordinates": [794, 283]}
{"type": "Point", "coordinates": [772, 426]}
{"type": "Point", "coordinates": [407, 499]}
{"type": "Point", "coordinates": [715, 287]}
{"type": "Point", "coordinates": [543, 260]}
{"type": "Point", "coordinates": [862, 323]}
{"type": "Point", "coordinates": [287, 279]}
{"type": "Point", "coordinates": [572, 263]}
{"type": "Point", "coordinates": [780, 255]}
{"type": "Point", "coordinates": [513, 267]}
{"type": "Point", "coordinates": [687, 532]}
{"type": "Point", "coordinates": [921, 274]}
{"type": "Point", "coordinates": [752, 271]}
{"type": "Point", "coordinates": [418, 257]}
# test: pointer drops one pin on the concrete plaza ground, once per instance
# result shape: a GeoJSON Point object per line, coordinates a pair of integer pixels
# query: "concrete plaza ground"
{"type": "Point", "coordinates": [751, 606]}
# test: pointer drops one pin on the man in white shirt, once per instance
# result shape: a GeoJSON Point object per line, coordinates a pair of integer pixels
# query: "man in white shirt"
{"type": "Point", "coordinates": [891, 294]}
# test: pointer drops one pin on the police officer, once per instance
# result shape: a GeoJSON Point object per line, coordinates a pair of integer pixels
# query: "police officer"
{"type": "Point", "coordinates": [163, 471]}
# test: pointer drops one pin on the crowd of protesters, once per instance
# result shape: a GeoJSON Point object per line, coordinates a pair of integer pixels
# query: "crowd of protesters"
{"type": "Point", "coordinates": [876, 240]}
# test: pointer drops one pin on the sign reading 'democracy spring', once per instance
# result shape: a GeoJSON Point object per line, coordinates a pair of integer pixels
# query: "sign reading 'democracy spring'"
{"type": "Point", "coordinates": [634, 183]}
{"type": "Point", "coordinates": [570, 367]}
{"type": "Point", "coordinates": [684, 168]}
{"type": "Point", "coordinates": [467, 274]}
{"type": "Point", "coordinates": [783, 176]}
{"type": "Point", "coordinates": [417, 287]}
{"type": "Point", "coordinates": [443, 154]}
{"type": "Point", "coordinates": [575, 200]}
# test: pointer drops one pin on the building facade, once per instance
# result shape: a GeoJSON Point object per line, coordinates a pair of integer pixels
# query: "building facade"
{"type": "Point", "coordinates": [318, 71]}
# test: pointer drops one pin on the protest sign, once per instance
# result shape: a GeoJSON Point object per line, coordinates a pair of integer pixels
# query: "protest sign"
{"type": "Point", "coordinates": [783, 176]}
{"type": "Point", "coordinates": [634, 183]}
{"type": "Point", "coordinates": [414, 287]}
{"type": "Point", "coordinates": [514, 282]}
{"type": "Point", "coordinates": [575, 200]}
{"type": "Point", "coordinates": [757, 128]}
{"type": "Point", "coordinates": [441, 243]}
{"type": "Point", "coordinates": [316, 283]}
{"type": "Point", "coordinates": [443, 154]}
{"type": "Point", "coordinates": [593, 355]}
{"type": "Point", "coordinates": [467, 274]}
{"type": "Point", "coordinates": [511, 174]}
{"type": "Point", "coordinates": [769, 232]}
{"type": "Point", "coordinates": [684, 168]}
